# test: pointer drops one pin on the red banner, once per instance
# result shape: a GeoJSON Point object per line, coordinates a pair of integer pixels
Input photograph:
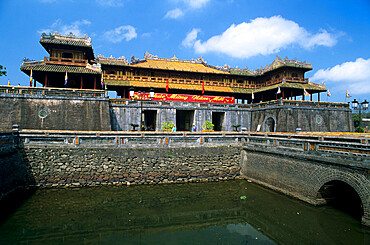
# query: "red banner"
{"type": "Point", "coordinates": [185, 98]}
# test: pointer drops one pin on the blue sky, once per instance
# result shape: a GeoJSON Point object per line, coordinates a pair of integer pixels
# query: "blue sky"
{"type": "Point", "coordinates": [332, 34]}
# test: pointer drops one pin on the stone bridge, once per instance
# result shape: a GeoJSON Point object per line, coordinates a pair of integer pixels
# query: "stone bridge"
{"type": "Point", "coordinates": [319, 168]}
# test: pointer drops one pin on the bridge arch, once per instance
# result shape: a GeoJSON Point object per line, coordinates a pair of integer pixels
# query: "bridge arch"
{"type": "Point", "coordinates": [346, 191]}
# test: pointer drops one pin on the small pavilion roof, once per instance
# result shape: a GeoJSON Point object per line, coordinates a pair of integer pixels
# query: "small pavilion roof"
{"type": "Point", "coordinates": [60, 41]}
{"type": "Point", "coordinates": [41, 66]}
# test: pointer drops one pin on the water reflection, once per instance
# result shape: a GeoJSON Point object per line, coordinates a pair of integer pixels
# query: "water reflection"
{"type": "Point", "coordinates": [201, 213]}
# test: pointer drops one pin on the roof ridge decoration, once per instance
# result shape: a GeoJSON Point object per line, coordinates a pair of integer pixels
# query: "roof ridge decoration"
{"type": "Point", "coordinates": [70, 37]}
{"type": "Point", "coordinates": [317, 85]}
{"type": "Point", "coordinates": [121, 59]}
{"type": "Point", "coordinates": [278, 62]}
{"type": "Point", "coordinates": [94, 67]}
{"type": "Point", "coordinates": [148, 56]}
{"type": "Point", "coordinates": [27, 61]}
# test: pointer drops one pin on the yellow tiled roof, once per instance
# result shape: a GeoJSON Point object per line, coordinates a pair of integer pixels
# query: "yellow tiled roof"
{"type": "Point", "coordinates": [177, 66]}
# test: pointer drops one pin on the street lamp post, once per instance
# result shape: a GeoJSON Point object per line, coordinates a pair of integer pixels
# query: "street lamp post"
{"type": "Point", "coordinates": [360, 106]}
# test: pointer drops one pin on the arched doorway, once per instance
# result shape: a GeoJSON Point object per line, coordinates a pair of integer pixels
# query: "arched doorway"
{"type": "Point", "coordinates": [269, 124]}
{"type": "Point", "coordinates": [342, 196]}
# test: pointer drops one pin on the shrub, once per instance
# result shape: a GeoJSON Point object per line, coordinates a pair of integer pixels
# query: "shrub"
{"type": "Point", "coordinates": [207, 125]}
{"type": "Point", "coordinates": [167, 125]}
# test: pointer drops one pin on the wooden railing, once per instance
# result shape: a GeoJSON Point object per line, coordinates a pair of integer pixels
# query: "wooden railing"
{"type": "Point", "coordinates": [200, 82]}
{"type": "Point", "coordinates": [65, 61]}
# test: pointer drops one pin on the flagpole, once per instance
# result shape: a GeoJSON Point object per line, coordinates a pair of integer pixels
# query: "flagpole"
{"type": "Point", "coordinates": [31, 78]}
{"type": "Point", "coordinates": [66, 79]}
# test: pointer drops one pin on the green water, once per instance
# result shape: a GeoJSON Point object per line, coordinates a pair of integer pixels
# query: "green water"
{"type": "Point", "coordinates": [199, 213]}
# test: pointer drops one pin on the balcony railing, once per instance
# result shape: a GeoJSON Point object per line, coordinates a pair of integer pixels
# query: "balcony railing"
{"type": "Point", "coordinates": [65, 61]}
{"type": "Point", "coordinates": [200, 82]}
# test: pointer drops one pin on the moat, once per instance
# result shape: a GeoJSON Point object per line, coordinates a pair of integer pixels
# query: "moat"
{"type": "Point", "coordinates": [232, 212]}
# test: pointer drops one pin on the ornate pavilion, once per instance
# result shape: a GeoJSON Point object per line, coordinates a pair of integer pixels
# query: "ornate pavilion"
{"type": "Point", "coordinates": [72, 64]}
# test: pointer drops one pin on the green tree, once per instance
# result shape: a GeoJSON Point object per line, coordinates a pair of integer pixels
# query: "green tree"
{"type": "Point", "coordinates": [356, 120]}
{"type": "Point", "coordinates": [2, 71]}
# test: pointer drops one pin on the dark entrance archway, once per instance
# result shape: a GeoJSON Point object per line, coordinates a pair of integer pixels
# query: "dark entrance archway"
{"type": "Point", "coordinates": [184, 119]}
{"type": "Point", "coordinates": [342, 196]}
{"type": "Point", "coordinates": [218, 120]}
{"type": "Point", "coordinates": [150, 118]}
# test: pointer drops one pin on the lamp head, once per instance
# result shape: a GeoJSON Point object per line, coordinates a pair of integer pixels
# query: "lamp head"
{"type": "Point", "coordinates": [151, 93]}
{"type": "Point", "coordinates": [355, 103]}
{"type": "Point", "coordinates": [365, 104]}
{"type": "Point", "coordinates": [132, 91]}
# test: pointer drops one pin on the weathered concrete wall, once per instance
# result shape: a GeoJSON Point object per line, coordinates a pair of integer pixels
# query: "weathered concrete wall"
{"type": "Point", "coordinates": [309, 118]}
{"type": "Point", "coordinates": [52, 167]}
{"type": "Point", "coordinates": [53, 112]}
{"type": "Point", "coordinates": [303, 178]}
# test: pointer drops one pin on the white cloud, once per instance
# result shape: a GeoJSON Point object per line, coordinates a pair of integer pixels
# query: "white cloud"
{"type": "Point", "coordinates": [75, 27]}
{"type": "Point", "coordinates": [122, 32]}
{"type": "Point", "coordinates": [323, 38]}
{"type": "Point", "coordinates": [190, 38]}
{"type": "Point", "coordinates": [189, 5]}
{"type": "Point", "coordinates": [174, 14]}
{"type": "Point", "coordinates": [262, 36]}
{"type": "Point", "coordinates": [110, 3]}
{"type": "Point", "coordinates": [196, 3]}
{"type": "Point", "coordinates": [354, 76]}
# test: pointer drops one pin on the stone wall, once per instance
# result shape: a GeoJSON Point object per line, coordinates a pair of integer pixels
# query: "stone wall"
{"type": "Point", "coordinates": [289, 117]}
{"type": "Point", "coordinates": [36, 111]}
{"type": "Point", "coordinates": [124, 114]}
{"type": "Point", "coordinates": [286, 115]}
{"type": "Point", "coordinates": [54, 112]}
{"type": "Point", "coordinates": [13, 170]}
{"type": "Point", "coordinates": [13, 173]}
{"type": "Point", "coordinates": [53, 167]}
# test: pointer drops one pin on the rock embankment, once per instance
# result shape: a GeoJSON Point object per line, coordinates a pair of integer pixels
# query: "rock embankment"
{"type": "Point", "coordinates": [68, 167]}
